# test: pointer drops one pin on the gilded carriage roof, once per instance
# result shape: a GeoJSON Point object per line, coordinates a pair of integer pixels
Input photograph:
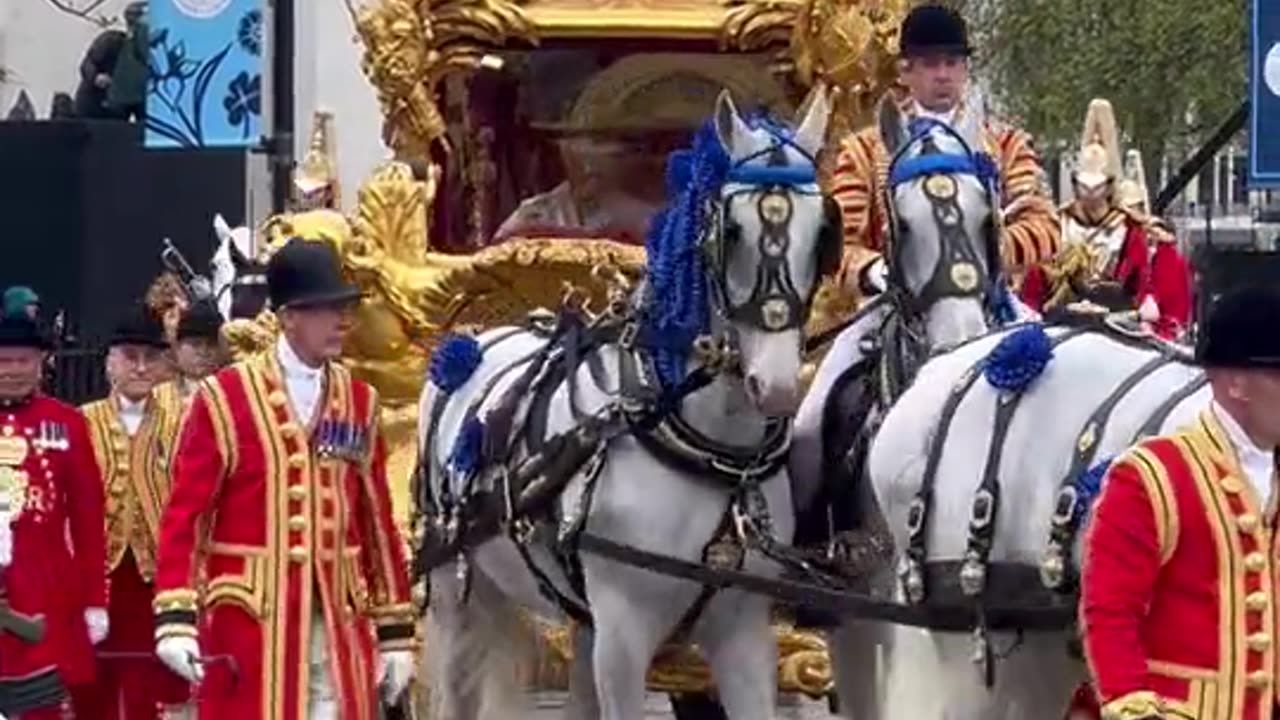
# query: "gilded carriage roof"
{"type": "Point", "coordinates": [411, 46]}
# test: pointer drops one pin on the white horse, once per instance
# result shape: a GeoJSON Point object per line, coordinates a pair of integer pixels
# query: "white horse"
{"type": "Point", "coordinates": [1099, 392]}
{"type": "Point", "coordinates": [944, 280]}
{"type": "Point", "coordinates": [736, 257]}
{"type": "Point", "coordinates": [231, 257]}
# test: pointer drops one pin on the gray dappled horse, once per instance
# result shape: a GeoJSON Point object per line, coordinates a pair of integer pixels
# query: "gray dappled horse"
{"type": "Point", "coordinates": [944, 286]}
{"type": "Point", "coordinates": [733, 263]}
{"type": "Point", "coordinates": [959, 437]}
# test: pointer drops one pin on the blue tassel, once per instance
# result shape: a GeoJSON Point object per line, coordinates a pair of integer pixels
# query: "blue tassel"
{"type": "Point", "coordinates": [1089, 486]}
{"type": "Point", "coordinates": [1018, 359]}
{"type": "Point", "coordinates": [465, 457]}
{"type": "Point", "coordinates": [988, 170]}
{"type": "Point", "coordinates": [454, 361]}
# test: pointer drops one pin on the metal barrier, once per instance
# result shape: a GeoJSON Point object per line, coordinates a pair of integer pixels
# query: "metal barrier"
{"type": "Point", "coordinates": [76, 375]}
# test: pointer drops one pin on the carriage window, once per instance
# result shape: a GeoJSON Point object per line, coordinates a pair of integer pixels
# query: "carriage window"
{"type": "Point", "coordinates": [574, 142]}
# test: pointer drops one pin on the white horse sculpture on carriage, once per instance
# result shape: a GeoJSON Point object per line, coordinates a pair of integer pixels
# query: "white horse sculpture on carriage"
{"type": "Point", "coordinates": [985, 469]}
{"type": "Point", "coordinates": [685, 385]}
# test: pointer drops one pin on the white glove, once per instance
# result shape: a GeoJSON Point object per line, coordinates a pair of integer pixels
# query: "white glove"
{"type": "Point", "coordinates": [181, 654]}
{"type": "Point", "coordinates": [874, 278]}
{"type": "Point", "coordinates": [1148, 311]}
{"type": "Point", "coordinates": [396, 669]}
{"type": "Point", "coordinates": [96, 620]}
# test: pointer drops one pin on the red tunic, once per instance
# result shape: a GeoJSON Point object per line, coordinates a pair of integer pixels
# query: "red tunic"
{"type": "Point", "coordinates": [58, 550]}
{"type": "Point", "coordinates": [289, 520]}
{"type": "Point", "coordinates": [1160, 272]}
{"type": "Point", "coordinates": [1179, 584]}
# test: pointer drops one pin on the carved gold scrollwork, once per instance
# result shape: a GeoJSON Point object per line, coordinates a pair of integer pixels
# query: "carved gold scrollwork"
{"type": "Point", "coordinates": [848, 45]}
{"type": "Point", "coordinates": [410, 47]}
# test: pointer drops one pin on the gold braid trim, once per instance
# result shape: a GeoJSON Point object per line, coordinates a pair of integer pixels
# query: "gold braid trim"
{"type": "Point", "coordinates": [1141, 705]}
{"type": "Point", "coordinates": [389, 614]}
{"type": "Point", "coordinates": [179, 599]}
{"type": "Point", "coordinates": [176, 613]}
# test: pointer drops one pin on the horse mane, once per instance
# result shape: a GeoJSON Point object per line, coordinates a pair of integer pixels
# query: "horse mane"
{"type": "Point", "coordinates": [676, 299]}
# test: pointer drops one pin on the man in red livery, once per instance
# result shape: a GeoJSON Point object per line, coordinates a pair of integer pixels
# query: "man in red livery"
{"type": "Point", "coordinates": [278, 554]}
{"type": "Point", "coordinates": [51, 535]}
{"type": "Point", "coordinates": [1179, 581]}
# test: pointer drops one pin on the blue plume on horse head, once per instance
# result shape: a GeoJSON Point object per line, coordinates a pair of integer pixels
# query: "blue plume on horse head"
{"type": "Point", "coordinates": [678, 310]}
{"type": "Point", "coordinates": [677, 294]}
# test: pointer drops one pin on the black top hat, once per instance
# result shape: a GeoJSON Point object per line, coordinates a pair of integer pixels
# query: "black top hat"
{"type": "Point", "coordinates": [19, 330]}
{"type": "Point", "coordinates": [306, 273]}
{"type": "Point", "coordinates": [139, 326]}
{"type": "Point", "coordinates": [201, 321]}
{"type": "Point", "coordinates": [1242, 330]}
{"type": "Point", "coordinates": [934, 28]}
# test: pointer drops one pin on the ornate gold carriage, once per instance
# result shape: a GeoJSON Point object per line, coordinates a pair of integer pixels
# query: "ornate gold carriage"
{"type": "Point", "coordinates": [530, 142]}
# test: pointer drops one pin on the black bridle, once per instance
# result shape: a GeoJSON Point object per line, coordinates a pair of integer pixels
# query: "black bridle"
{"type": "Point", "coordinates": [775, 303]}
{"type": "Point", "coordinates": [961, 272]}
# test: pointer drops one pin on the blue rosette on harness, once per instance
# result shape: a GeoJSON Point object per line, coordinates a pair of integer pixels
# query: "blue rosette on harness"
{"type": "Point", "coordinates": [454, 362]}
{"type": "Point", "coordinates": [1018, 359]}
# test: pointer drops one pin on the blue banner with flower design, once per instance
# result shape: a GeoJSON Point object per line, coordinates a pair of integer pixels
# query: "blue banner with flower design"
{"type": "Point", "coordinates": [205, 75]}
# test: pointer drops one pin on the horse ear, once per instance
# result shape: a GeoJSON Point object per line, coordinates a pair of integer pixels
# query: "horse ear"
{"type": "Point", "coordinates": [221, 227]}
{"type": "Point", "coordinates": [729, 125]}
{"type": "Point", "coordinates": [811, 131]}
{"type": "Point", "coordinates": [893, 128]}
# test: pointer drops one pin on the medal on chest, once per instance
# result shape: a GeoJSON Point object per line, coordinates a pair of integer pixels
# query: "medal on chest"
{"type": "Point", "coordinates": [13, 476]}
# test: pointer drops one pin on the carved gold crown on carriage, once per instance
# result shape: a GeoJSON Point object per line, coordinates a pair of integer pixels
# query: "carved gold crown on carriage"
{"type": "Point", "coordinates": [454, 78]}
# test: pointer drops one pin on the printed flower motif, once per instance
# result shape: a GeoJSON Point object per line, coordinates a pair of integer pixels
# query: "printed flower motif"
{"type": "Point", "coordinates": [249, 34]}
{"type": "Point", "coordinates": [243, 100]}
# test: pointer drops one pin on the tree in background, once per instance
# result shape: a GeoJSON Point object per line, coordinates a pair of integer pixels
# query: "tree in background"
{"type": "Point", "coordinates": [1173, 69]}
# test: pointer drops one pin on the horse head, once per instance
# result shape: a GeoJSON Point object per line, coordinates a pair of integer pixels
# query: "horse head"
{"type": "Point", "coordinates": [776, 235]}
{"type": "Point", "coordinates": [943, 253]}
{"type": "Point", "coordinates": [239, 280]}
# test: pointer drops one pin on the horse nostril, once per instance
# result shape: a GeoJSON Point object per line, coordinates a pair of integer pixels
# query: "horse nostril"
{"type": "Point", "coordinates": [754, 388]}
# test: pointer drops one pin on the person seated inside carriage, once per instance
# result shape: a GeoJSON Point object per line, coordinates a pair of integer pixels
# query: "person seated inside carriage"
{"type": "Point", "coordinates": [612, 187]}
{"type": "Point", "coordinates": [1115, 257]}
{"type": "Point", "coordinates": [596, 131]}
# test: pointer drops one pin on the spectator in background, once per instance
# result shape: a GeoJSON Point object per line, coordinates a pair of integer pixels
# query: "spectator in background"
{"type": "Point", "coordinates": [62, 107]}
{"type": "Point", "coordinates": [22, 300]}
{"type": "Point", "coordinates": [113, 74]}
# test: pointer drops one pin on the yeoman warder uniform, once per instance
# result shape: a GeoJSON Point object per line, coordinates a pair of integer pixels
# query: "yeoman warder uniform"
{"type": "Point", "coordinates": [280, 492]}
{"type": "Point", "coordinates": [1178, 596]}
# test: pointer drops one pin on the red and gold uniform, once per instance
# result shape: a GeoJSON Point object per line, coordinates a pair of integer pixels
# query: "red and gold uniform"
{"type": "Point", "coordinates": [48, 471]}
{"type": "Point", "coordinates": [1127, 248]}
{"type": "Point", "coordinates": [290, 524]}
{"type": "Point", "coordinates": [860, 178]}
{"type": "Point", "coordinates": [1179, 583]}
{"type": "Point", "coordinates": [135, 476]}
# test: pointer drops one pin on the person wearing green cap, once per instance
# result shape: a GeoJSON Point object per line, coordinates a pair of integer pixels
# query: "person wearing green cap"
{"type": "Point", "coordinates": [21, 300]}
